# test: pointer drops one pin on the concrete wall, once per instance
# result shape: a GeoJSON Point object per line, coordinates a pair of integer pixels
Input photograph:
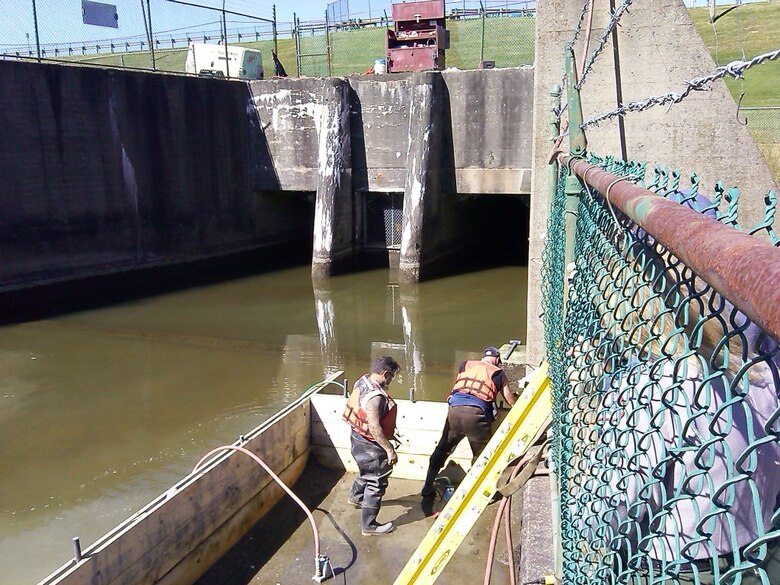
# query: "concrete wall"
{"type": "Point", "coordinates": [112, 171]}
{"type": "Point", "coordinates": [108, 171]}
{"type": "Point", "coordinates": [657, 55]}
{"type": "Point", "coordinates": [488, 113]}
{"type": "Point", "coordinates": [432, 136]}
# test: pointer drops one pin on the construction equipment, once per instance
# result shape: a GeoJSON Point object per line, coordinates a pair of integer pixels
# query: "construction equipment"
{"type": "Point", "coordinates": [419, 39]}
{"type": "Point", "coordinates": [524, 424]}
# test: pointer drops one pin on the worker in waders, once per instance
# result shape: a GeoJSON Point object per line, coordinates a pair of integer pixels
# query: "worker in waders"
{"type": "Point", "coordinates": [372, 413]}
{"type": "Point", "coordinates": [471, 412]}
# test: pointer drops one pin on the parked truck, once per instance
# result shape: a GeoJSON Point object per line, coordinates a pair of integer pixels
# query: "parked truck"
{"type": "Point", "coordinates": [220, 61]}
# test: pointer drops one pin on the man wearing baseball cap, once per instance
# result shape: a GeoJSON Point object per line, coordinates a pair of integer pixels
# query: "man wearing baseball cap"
{"type": "Point", "coordinates": [472, 410]}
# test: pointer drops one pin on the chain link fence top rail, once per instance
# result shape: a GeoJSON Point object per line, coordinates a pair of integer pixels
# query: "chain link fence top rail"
{"type": "Point", "coordinates": [666, 409]}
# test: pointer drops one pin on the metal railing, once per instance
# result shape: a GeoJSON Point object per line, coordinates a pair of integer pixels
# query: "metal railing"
{"type": "Point", "coordinates": [155, 35]}
{"type": "Point", "coordinates": [151, 34]}
{"type": "Point", "coordinates": [666, 369]}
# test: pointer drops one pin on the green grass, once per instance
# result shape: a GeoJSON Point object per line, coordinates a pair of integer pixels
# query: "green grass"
{"type": "Point", "coordinates": [509, 42]}
{"type": "Point", "coordinates": [753, 27]}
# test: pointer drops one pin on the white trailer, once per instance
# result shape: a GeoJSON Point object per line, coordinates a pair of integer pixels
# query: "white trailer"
{"type": "Point", "coordinates": [219, 61]}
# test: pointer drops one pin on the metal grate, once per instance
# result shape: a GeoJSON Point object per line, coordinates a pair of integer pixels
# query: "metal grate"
{"type": "Point", "coordinates": [384, 220]}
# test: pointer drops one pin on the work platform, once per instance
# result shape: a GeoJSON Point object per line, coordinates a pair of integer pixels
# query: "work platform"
{"type": "Point", "coordinates": [280, 548]}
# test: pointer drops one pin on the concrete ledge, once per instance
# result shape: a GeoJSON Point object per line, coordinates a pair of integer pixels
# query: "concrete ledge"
{"type": "Point", "coordinates": [537, 553]}
{"type": "Point", "coordinates": [493, 181]}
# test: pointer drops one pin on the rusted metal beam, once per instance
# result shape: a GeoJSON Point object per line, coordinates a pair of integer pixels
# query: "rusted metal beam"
{"type": "Point", "coordinates": [741, 267]}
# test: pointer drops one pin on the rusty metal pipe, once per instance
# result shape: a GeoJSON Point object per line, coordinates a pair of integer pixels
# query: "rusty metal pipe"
{"type": "Point", "coordinates": [741, 267]}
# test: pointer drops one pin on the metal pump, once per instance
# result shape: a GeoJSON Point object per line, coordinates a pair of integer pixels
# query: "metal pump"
{"type": "Point", "coordinates": [323, 569]}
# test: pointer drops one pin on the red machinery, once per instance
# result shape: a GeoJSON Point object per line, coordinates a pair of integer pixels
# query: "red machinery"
{"type": "Point", "coordinates": [419, 39]}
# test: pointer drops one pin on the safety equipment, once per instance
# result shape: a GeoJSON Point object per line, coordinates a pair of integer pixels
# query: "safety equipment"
{"type": "Point", "coordinates": [355, 414]}
{"type": "Point", "coordinates": [477, 379]}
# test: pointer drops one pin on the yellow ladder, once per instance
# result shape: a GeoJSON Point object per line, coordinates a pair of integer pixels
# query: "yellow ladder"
{"type": "Point", "coordinates": [523, 424]}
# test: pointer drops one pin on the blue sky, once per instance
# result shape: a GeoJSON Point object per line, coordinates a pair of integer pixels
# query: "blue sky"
{"type": "Point", "coordinates": [60, 21]}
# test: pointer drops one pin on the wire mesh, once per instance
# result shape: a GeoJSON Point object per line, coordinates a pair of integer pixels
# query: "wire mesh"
{"type": "Point", "coordinates": [148, 35]}
{"type": "Point", "coordinates": [764, 123]}
{"type": "Point", "coordinates": [666, 409]}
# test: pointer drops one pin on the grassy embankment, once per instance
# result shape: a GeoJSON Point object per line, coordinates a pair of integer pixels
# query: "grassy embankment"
{"type": "Point", "coordinates": [753, 27]}
{"type": "Point", "coordinates": [509, 42]}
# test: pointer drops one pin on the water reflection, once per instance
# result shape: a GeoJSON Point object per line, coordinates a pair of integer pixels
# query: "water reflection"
{"type": "Point", "coordinates": [102, 410]}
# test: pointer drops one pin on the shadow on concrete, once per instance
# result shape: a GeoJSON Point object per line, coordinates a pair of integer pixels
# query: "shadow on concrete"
{"type": "Point", "coordinates": [358, 143]}
{"type": "Point", "coordinates": [240, 565]}
{"type": "Point", "coordinates": [263, 172]}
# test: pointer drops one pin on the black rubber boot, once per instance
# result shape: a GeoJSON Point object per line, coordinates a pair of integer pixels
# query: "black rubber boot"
{"type": "Point", "coordinates": [428, 491]}
{"type": "Point", "coordinates": [370, 525]}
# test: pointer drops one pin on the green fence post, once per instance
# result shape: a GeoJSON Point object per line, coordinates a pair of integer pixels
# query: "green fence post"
{"type": "Point", "coordinates": [296, 36]}
{"type": "Point", "coordinates": [327, 44]}
{"type": "Point", "coordinates": [555, 128]}
{"type": "Point", "coordinates": [37, 37]}
{"type": "Point", "coordinates": [577, 148]}
{"type": "Point", "coordinates": [151, 35]}
{"type": "Point", "coordinates": [482, 36]}
{"type": "Point", "coordinates": [276, 48]}
{"type": "Point", "coordinates": [225, 40]}
{"type": "Point", "coordinates": [577, 142]}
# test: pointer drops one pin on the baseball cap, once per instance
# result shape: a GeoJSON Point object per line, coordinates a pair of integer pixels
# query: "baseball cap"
{"type": "Point", "coordinates": [492, 352]}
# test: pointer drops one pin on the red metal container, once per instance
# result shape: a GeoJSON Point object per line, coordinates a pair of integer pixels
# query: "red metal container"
{"type": "Point", "coordinates": [419, 39]}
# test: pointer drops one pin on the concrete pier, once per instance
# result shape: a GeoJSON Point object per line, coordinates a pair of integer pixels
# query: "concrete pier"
{"type": "Point", "coordinates": [333, 209]}
{"type": "Point", "coordinates": [422, 187]}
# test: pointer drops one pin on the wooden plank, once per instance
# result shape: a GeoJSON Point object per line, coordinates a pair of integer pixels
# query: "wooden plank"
{"type": "Point", "coordinates": [183, 518]}
{"type": "Point", "coordinates": [419, 415]}
{"type": "Point", "coordinates": [192, 567]}
{"type": "Point", "coordinates": [223, 498]}
{"type": "Point", "coordinates": [337, 435]}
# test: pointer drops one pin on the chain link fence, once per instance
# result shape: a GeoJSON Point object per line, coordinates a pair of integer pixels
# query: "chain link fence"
{"type": "Point", "coordinates": [357, 38]}
{"type": "Point", "coordinates": [665, 405]}
{"type": "Point", "coordinates": [155, 34]}
{"type": "Point", "coordinates": [146, 34]}
{"type": "Point", "coordinates": [764, 124]}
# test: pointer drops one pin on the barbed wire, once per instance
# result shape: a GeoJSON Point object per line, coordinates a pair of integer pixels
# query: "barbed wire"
{"type": "Point", "coordinates": [734, 69]}
{"type": "Point", "coordinates": [613, 22]}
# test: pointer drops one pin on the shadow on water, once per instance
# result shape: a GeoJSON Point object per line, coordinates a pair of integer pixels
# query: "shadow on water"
{"type": "Point", "coordinates": [242, 562]}
{"type": "Point", "coordinates": [57, 299]}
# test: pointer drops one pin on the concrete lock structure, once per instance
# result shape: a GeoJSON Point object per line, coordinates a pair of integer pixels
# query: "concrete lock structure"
{"type": "Point", "coordinates": [115, 171]}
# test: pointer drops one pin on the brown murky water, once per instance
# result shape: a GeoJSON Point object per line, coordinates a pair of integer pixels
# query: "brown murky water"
{"type": "Point", "coordinates": [102, 410]}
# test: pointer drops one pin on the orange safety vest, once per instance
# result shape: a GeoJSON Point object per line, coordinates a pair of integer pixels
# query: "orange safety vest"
{"type": "Point", "coordinates": [355, 414]}
{"type": "Point", "coordinates": [477, 379]}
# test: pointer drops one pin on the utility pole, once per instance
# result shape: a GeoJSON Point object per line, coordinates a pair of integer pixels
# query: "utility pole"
{"type": "Point", "coordinates": [224, 40]}
{"type": "Point", "coordinates": [276, 48]}
{"type": "Point", "coordinates": [37, 39]}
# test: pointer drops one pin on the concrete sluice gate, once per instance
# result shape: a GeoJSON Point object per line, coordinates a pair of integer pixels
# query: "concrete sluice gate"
{"type": "Point", "coordinates": [114, 172]}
